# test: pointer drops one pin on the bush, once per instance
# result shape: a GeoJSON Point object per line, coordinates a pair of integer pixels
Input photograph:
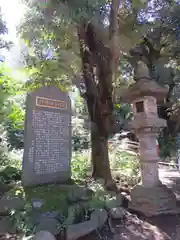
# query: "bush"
{"type": "Point", "coordinates": [15, 158]}
{"type": "Point", "coordinates": [79, 165]}
{"type": "Point", "coordinates": [10, 174]}
{"type": "Point", "coordinates": [15, 136]}
{"type": "Point", "coordinates": [127, 167]}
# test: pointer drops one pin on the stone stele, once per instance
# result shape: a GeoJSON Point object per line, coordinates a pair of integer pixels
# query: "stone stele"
{"type": "Point", "coordinates": [150, 197]}
{"type": "Point", "coordinates": [47, 151]}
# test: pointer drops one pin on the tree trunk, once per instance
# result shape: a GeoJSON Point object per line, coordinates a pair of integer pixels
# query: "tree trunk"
{"type": "Point", "coordinates": [100, 157]}
{"type": "Point", "coordinates": [99, 64]}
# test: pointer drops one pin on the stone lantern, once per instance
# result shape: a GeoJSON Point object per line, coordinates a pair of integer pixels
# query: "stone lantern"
{"type": "Point", "coordinates": [150, 197]}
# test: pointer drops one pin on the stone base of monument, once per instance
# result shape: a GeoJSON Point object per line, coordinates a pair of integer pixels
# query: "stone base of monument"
{"type": "Point", "coordinates": [152, 201]}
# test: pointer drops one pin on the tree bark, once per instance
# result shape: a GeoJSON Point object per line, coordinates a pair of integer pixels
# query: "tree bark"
{"type": "Point", "coordinates": [99, 64]}
{"type": "Point", "coordinates": [100, 157]}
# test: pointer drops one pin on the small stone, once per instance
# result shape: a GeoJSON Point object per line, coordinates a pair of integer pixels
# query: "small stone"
{"type": "Point", "coordinates": [117, 213]}
{"type": "Point", "coordinates": [99, 217]}
{"type": "Point", "coordinates": [114, 201]}
{"type": "Point", "coordinates": [73, 211]}
{"type": "Point", "coordinates": [37, 203]}
{"type": "Point", "coordinates": [79, 193]}
{"type": "Point", "coordinates": [75, 231]}
{"type": "Point", "coordinates": [48, 224]}
{"type": "Point", "coordinates": [111, 203]}
{"type": "Point", "coordinates": [44, 235]}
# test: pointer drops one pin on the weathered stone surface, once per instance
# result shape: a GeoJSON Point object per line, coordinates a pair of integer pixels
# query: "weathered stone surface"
{"type": "Point", "coordinates": [153, 201]}
{"type": "Point", "coordinates": [47, 151]}
{"type": "Point", "coordinates": [98, 218]}
{"type": "Point", "coordinates": [44, 235]}
{"type": "Point", "coordinates": [11, 203]}
{"type": "Point", "coordinates": [117, 213]}
{"type": "Point", "coordinates": [48, 224]}
{"type": "Point", "coordinates": [73, 211]}
{"type": "Point", "coordinates": [79, 193]}
{"type": "Point", "coordinates": [143, 88]}
{"type": "Point", "coordinates": [6, 226]}
{"type": "Point", "coordinates": [37, 217]}
{"type": "Point", "coordinates": [115, 201]}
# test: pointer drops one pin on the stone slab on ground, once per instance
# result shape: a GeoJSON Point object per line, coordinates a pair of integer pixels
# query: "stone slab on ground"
{"type": "Point", "coordinates": [114, 201]}
{"type": "Point", "coordinates": [79, 193]}
{"type": "Point", "coordinates": [37, 217]}
{"type": "Point", "coordinates": [8, 203]}
{"type": "Point", "coordinates": [6, 226]}
{"type": "Point", "coordinates": [48, 224]}
{"type": "Point", "coordinates": [117, 213]}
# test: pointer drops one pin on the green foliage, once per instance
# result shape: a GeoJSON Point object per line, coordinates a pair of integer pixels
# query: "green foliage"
{"type": "Point", "coordinates": [14, 126]}
{"type": "Point", "coordinates": [167, 144]}
{"type": "Point", "coordinates": [10, 164]}
{"type": "Point", "coordinates": [56, 36]}
{"type": "Point", "coordinates": [80, 131]}
{"type": "Point", "coordinates": [7, 88]}
{"type": "Point", "coordinates": [10, 174]}
{"type": "Point", "coordinates": [4, 158]}
{"type": "Point", "coordinates": [11, 158]}
{"type": "Point", "coordinates": [21, 220]}
{"type": "Point", "coordinates": [80, 142]}
{"type": "Point", "coordinates": [125, 167]}
{"type": "Point", "coordinates": [80, 135]}
{"type": "Point", "coordinates": [50, 31]}
{"type": "Point", "coordinates": [15, 135]}
{"type": "Point", "coordinates": [3, 31]}
{"type": "Point", "coordinates": [79, 164]}
{"type": "Point", "coordinates": [123, 113]}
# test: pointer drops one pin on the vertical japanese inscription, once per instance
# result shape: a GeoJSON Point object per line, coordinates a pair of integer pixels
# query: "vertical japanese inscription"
{"type": "Point", "coordinates": [52, 139]}
{"type": "Point", "coordinates": [50, 146]}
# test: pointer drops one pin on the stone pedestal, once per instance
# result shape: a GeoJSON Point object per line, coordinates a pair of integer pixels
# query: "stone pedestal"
{"type": "Point", "coordinates": [151, 197]}
{"type": "Point", "coordinates": [153, 201]}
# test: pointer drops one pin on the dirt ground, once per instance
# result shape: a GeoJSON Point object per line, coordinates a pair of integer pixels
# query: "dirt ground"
{"type": "Point", "coordinates": [156, 228]}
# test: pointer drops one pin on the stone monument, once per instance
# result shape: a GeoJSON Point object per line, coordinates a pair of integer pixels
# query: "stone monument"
{"type": "Point", "coordinates": [47, 139]}
{"type": "Point", "coordinates": [150, 197]}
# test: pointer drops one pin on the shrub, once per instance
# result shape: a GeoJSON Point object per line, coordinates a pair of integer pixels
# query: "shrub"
{"type": "Point", "coordinates": [79, 165]}
{"type": "Point", "coordinates": [10, 174]}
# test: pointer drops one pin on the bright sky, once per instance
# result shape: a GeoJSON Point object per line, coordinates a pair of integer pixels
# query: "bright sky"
{"type": "Point", "coordinates": [12, 12]}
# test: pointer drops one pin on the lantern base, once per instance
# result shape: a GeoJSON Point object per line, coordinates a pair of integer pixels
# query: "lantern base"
{"type": "Point", "coordinates": [152, 201]}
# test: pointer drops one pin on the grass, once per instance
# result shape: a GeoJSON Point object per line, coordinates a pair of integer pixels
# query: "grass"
{"type": "Point", "coordinates": [53, 196]}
